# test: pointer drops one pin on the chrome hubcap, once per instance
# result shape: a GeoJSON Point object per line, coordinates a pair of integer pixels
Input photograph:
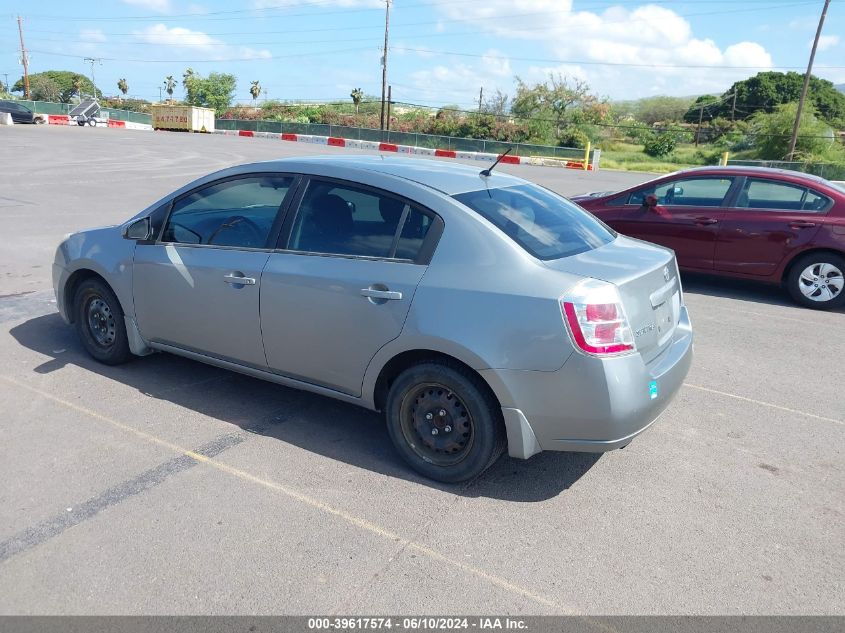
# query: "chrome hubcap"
{"type": "Point", "coordinates": [101, 322]}
{"type": "Point", "coordinates": [821, 282]}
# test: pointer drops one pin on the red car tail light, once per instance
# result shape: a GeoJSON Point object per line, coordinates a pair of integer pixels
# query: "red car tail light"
{"type": "Point", "coordinates": [596, 319]}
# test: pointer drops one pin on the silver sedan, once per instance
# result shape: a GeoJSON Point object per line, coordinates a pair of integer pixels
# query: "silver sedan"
{"type": "Point", "coordinates": [478, 311]}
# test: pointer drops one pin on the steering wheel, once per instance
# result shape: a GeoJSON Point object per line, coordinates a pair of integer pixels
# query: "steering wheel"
{"type": "Point", "coordinates": [256, 237]}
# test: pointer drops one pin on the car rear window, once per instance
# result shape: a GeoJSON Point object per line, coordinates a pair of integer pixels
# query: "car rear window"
{"type": "Point", "coordinates": [543, 223]}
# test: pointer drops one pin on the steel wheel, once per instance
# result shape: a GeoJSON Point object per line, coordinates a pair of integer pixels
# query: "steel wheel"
{"type": "Point", "coordinates": [436, 424]}
{"type": "Point", "coordinates": [101, 322]}
{"type": "Point", "coordinates": [821, 282]}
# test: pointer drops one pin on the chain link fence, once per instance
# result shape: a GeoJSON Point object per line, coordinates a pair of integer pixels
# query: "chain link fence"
{"type": "Point", "coordinates": [431, 141]}
{"type": "Point", "coordinates": [830, 171]}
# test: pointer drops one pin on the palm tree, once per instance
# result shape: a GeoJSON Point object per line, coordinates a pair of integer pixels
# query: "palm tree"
{"type": "Point", "coordinates": [77, 85]}
{"type": "Point", "coordinates": [357, 95]}
{"type": "Point", "coordinates": [123, 86]}
{"type": "Point", "coordinates": [255, 90]}
{"type": "Point", "coordinates": [186, 77]}
{"type": "Point", "coordinates": [169, 86]}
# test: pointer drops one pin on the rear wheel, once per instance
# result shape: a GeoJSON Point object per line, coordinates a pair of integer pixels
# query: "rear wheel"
{"type": "Point", "coordinates": [100, 324]}
{"type": "Point", "coordinates": [817, 281]}
{"type": "Point", "coordinates": [444, 422]}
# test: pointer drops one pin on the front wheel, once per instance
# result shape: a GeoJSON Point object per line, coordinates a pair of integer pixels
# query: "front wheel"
{"type": "Point", "coordinates": [817, 281]}
{"type": "Point", "coordinates": [444, 422]}
{"type": "Point", "coordinates": [99, 322]}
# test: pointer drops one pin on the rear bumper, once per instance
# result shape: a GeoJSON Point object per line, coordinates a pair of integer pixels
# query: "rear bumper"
{"type": "Point", "coordinates": [590, 404]}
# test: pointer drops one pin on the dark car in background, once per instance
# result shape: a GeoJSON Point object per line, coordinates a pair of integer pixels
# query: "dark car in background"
{"type": "Point", "coordinates": [20, 113]}
{"type": "Point", "coordinates": [752, 223]}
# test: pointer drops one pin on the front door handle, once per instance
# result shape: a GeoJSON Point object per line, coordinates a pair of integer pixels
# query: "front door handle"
{"type": "Point", "coordinates": [373, 293]}
{"type": "Point", "coordinates": [705, 221]}
{"type": "Point", "coordinates": [801, 224]}
{"type": "Point", "coordinates": [239, 280]}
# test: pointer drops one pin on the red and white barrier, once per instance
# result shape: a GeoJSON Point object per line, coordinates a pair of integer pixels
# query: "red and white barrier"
{"type": "Point", "coordinates": [335, 141]}
{"type": "Point", "coordinates": [64, 119]}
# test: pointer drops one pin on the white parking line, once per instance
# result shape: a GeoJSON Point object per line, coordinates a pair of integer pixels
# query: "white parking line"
{"type": "Point", "coordinates": [763, 403]}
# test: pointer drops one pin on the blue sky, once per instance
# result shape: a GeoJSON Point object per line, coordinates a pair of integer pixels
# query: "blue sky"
{"type": "Point", "coordinates": [441, 51]}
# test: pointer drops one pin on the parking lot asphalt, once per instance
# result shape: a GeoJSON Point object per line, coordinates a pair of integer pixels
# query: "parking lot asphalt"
{"type": "Point", "coordinates": [166, 486]}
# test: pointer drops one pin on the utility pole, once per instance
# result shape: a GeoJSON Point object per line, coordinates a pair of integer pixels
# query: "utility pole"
{"type": "Point", "coordinates": [6, 85]}
{"type": "Point", "coordinates": [389, 101]}
{"type": "Point", "coordinates": [24, 61]}
{"type": "Point", "coordinates": [92, 61]}
{"type": "Point", "coordinates": [384, 58]}
{"type": "Point", "coordinates": [733, 108]}
{"type": "Point", "coordinates": [698, 129]}
{"type": "Point", "coordinates": [480, 98]}
{"type": "Point", "coordinates": [797, 124]}
{"type": "Point", "coordinates": [159, 94]}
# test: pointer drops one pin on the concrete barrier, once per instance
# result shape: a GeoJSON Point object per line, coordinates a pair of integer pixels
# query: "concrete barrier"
{"type": "Point", "coordinates": [6, 118]}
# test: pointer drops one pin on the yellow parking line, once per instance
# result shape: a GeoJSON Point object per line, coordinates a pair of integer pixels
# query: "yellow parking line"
{"type": "Point", "coordinates": [298, 496]}
{"type": "Point", "coordinates": [763, 403]}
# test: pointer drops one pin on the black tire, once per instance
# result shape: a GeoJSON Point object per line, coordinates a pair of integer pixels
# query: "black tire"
{"type": "Point", "coordinates": [99, 322]}
{"type": "Point", "coordinates": [80, 122]}
{"type": "Point", "coordinates": [471, 434]}
{"type": "Point", "coordinates": [813, 277]}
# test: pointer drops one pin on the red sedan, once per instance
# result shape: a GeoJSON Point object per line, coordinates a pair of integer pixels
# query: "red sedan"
{"type": "Point", "coordinates": [748, 222]}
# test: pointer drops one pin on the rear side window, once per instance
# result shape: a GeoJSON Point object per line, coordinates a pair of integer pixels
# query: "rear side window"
{"type": "Point", "coordinates": [336, 219]}
{"type": "Point", "coordinates": [780, 196]}
{"type": "Point", "coordinates": [545, 224]}
{"type": "Point", "coordinates": [238, 212]}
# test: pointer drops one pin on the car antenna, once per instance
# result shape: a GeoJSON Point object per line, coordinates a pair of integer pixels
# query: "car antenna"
{"type": "Point", "coordinates": [486, 172]}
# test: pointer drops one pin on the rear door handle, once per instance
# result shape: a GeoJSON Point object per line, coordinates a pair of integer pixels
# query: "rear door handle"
{"type": "Point", "coordinates": [238, 280]}
{"type": "Point", "coordinates": [705, 221]}
{"type": "Point", "coordinates": [381, 294]}
{"type": "Point", "coordinates": [801, 224]}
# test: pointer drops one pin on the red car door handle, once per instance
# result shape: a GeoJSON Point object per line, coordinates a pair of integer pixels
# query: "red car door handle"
{"type": "Point", "coordinates": [802, 224]}
{"type": "Point", "coordinates": [704, 221]}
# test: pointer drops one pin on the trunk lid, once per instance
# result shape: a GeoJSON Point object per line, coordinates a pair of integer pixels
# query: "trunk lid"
{"type": "Point", "coordinates": [647, 278]}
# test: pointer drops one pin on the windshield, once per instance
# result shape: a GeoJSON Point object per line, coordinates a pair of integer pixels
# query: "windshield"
{"type": "Point", "coordinates": [543, 223]}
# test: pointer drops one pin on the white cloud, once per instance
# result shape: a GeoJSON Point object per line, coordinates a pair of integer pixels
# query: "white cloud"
{"type": "Point", "coordinates": [827, 41]}
{"type": "Point", "coordinates": [622, 52]}
{"type": "Point", "coordinates": [460, 83]}
{"type": "Point", "coordinates": [159, 6]}
{"type": "Point", "coordinates": [92, 35]}
{"type": "Point", "coordinates": [178, 37]}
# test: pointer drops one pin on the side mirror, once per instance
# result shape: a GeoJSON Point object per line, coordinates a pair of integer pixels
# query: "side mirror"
{"type": "Point", "coordinates": [678, 191]}
{"type": "Point", "coordinates": [140, 229]}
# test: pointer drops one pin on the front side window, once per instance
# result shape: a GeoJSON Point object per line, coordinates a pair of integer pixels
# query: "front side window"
{"type": "Point", "coordinates": [546, 225]}
{"type": "Point", "coordinates": [238, 212]}
{"type": "Point", "coordinates": [779, 196]}
{"type": "Point", "coordinates": [686, 192]}
{"type": "Point", "coordinates": [340, 219]}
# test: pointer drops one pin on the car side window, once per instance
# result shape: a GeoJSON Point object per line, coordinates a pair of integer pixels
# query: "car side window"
{"type": "Point", "coordinates": [687, 192]}
{"type": "Point", "coordinates": [779, 196]}
{"type": "Point", "coordinates": [238, 212]}
{"type": "Point", "coordinates": [339, 219]}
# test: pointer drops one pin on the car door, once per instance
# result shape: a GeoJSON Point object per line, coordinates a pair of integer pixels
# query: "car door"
{"type": "Point", "coordinates": [686, 217]}
{"type": "Point", "coordinates": [197, 286]}
{"type": "Point", "coordinates": [767, 220]}
{"type": "Point", "coordinates": [342, 283]}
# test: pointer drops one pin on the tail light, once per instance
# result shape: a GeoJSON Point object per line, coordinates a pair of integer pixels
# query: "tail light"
{"type": "Point", "coordinates": [593, 311]}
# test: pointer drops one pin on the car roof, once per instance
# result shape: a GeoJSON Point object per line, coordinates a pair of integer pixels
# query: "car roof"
{"type": "Point", "coordinates": [448, 177]}
{"type": "Point", "coordinates": [751, 170]}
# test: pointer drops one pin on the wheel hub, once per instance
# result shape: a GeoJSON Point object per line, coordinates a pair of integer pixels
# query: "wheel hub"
{"type": "Point", "coordinates": [438, 424]}
{"type": "Point", "coordinates": [821, 282]}
{"type": "Point", "coordinates": [101, 323]}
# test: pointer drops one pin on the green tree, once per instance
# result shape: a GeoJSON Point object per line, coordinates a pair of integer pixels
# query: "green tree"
{"type": "Point", "coordinates": [495, 104]}
{"type": "Point", "coordinates": [66, 83]}
{"type": "Point", "coordinates": [707, 105]}
{"type": "Point", "coordinates": [255, 90]}
{"type": "Point", "coordinates": [169, 85]}
{"type": "Point", "coordinates": [123, 86]}
{"type": "Point", "coordinates": [554, 99]}
{"type": "Point", "coordinates": [659, 109]}
{"type": "Point", "coordinates": [771, 132]}
{"type": "Point", "coordinates": [766, 90]}
{"type": "Point", "coordinates": [186, 78]}
{"type": "Point", "coordinates": [215, 91]}
{"type": "Point", "coordinates": [357, 94]}
{"type": "Point", "coordinates": [43, 88]}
